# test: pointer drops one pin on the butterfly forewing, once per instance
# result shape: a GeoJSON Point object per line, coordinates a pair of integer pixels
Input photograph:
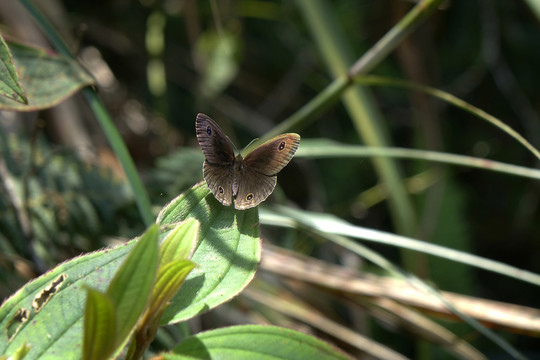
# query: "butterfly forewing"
{"type": "Point", "coordinates": [216, 146]}
{"type": "Point", "coordinates": [272, 156]}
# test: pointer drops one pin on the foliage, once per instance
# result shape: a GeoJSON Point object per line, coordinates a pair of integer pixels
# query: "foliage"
{"type": "Point", "coordinates": [53, 203]}
{"type": "Point", "coordinates": [385, 169]}
{"type": "Point", "coordinates": [137, 292]}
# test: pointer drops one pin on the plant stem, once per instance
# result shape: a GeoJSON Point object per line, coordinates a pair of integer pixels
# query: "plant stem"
{"type": "Point", "coordinates": [362, 108]}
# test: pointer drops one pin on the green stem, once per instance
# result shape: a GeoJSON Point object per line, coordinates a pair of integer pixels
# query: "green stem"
{"type": "Point", "coordinates": [122, 153]}
{"type": "Point", "coordinates": [364, 113]}
{"type": "Point", "coordinates": [300, 119]}
{"type": "Point", "coordinates": [451, 99]}
{"type": "Point", "coordinates": [314, 149]}
{"type": "Point", "coordinates": [394, 37]}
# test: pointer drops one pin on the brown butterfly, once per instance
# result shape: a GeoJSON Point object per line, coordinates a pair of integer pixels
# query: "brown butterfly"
{"type": "Point", "coordinates": [230, 177]}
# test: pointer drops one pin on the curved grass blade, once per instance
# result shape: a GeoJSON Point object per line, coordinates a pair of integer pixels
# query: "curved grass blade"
{"type": "Point", "coordinates": [323, 148]}
{"type": "Point", "coordinates": [451, 99]}
{"type": "Point", "coordinates": [325, 223]}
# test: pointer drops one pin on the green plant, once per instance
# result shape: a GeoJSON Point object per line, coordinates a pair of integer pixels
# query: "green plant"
{"type": "Point", "coordinates": [441, 225]}
{"type": "Point", "coordinates": [116, 294]}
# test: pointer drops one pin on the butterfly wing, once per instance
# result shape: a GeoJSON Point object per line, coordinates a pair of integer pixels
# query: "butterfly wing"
{"type": "Point", "coordinates": [219, 152]}
{"type": "Point", "coordinates": [253, 188]}
{"type": "Point", "coordinates": [273, 155]}
{"type": "Point", "coordinates": [219, 180]}
{"type": "Point", "coordinates": [216, 146]}
{"type": "Point", "coordinates": [252, 179]}
{"type": "Point", "coordinates": [257, 177]}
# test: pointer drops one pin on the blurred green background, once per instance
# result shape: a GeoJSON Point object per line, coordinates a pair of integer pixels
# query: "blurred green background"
{"type": "Point", "coordinates": [250, 64]}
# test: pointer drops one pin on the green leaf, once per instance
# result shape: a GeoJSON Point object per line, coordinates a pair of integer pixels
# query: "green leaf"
{"type": "Point", "coordinates": [131, 287]}
{"type": "Point", "coordinates": [99, 326]}
{"type": "Point", "coordinates": [56, 331]}
{"type": "Point", "coordinates": [169, 279]}
{"type": "Point", "coordinates": [227, 255]}
{"type": "Point", "coordinates": [254, 342]}
{"type": "Point", "coordinates": [180, 243]}
{"type": "Point", "coordinates": [19, 354]}
{"type": "Point", "coordinates": [48, 79]}
{"type": "Point", "coordinates": [10, 87]}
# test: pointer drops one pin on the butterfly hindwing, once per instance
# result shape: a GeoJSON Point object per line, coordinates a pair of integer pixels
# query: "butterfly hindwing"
{"type": "Point", "coordinates": [253, 188]}
{"type": "Point", "coordinates": [272, 156]}
{"type": "Point", "coordinates": [219, 180]}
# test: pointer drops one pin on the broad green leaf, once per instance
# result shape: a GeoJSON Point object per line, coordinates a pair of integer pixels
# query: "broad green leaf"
{"type": "Point", "coordinates": [227, 255]}
{"type": "Point", "coordinates": [47, 79]}
{"type": "Point", "coordinates": [56, 330]}
{"type": "Point", "coordinates": [10, 87]}
{"type": "Point", "coordinates": [169, 279]}
{"type": "Point", "coordinates": [254, 342]}
{"type": "Point", "coordinates": [99, 326]}
{"type": "Point", "coordinates": [131, 286]}
{"type": "Point", "coordinates": [180, 243]}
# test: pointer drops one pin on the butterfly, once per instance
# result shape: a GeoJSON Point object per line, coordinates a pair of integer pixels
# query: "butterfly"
{"type": "Point", "coordinates": [245, 181]}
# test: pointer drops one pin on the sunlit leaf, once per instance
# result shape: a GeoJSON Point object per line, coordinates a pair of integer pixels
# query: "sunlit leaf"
{"type": "Point", "coordinates": [227, 255]}
{"type": "Point", "coordinates": [170, 277]}
{"type": "Point", "coordinates": [131, 286]}
{"type": "Point", "coordinates": [180, 243]}
{"type": "Point", "coordinates": [254, 342]}
{"type": "Point", "coordinates": [99, 326]}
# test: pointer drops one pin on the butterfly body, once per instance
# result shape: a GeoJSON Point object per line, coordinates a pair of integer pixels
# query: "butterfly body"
{"type": "Point", "coordinates": [245, 181]}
